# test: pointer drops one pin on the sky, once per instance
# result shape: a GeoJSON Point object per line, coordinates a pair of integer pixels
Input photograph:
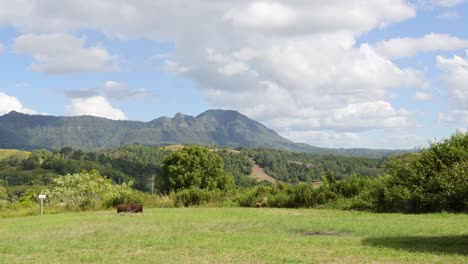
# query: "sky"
{"type": "Point", "coordinates": [329, 73]}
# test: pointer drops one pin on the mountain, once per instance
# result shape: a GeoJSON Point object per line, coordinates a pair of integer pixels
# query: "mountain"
{"type": "Point", "coordinates": [214, 127]}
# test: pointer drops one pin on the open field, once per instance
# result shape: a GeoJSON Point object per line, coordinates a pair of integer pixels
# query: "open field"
{"type": "Point", "coordinates": [6, 153]}
{"type": "Point", "coordinates": [235, 235]}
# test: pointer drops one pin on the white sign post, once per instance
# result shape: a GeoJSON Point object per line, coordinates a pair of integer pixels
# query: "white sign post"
{"type": "Point", "coordinates": [42, 197]}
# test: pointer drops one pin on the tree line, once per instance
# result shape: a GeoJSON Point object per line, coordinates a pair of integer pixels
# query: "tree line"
{"type": "Point", "coordinates": [434, 179]}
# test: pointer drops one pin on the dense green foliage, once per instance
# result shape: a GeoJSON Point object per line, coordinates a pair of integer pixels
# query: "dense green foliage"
{"type": "Point", "coordinates": [143, 166]}
{"type": "Point", "coordinates": [195, 167]}
{"type": "Point", "coordinates": [213, 127]}
{"type": "Point", "coordinates": [303, 167]}
{"type": "Point", "coordinates": [90, 190]}
{"type": "Point", "coordinates": [238, 165]}
{"type": "Point", "coordinates": [3, 193]}
{"type": "Point", "coordinates": [434, 180]}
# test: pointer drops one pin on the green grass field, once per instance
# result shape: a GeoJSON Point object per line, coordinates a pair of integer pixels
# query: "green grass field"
{"type": "Point", "coordinates": [6, 153]}
{"type": "Point", "coordinates": [235, 235]}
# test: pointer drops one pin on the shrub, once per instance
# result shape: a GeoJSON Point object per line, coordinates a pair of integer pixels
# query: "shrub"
{"type": "Point", "coordinates": [122, 194]}
{"type": "Point", "coordinates": [197, 196]}
{"type": "Point", "coordinates": [434, 180]}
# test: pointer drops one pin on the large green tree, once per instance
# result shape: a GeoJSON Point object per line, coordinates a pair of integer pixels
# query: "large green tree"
{"type": "Point", "coordinates": [91, 190]}
{"type": "Point", "coordinates": [194, 167]}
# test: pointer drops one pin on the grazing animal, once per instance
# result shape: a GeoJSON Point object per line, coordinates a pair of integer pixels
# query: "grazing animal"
{"type": "Point", "coordinates": [130, 208]}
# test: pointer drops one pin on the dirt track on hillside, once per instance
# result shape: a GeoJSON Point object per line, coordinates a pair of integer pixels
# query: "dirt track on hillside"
{"type": "Point", "coordinates": [259, 174]}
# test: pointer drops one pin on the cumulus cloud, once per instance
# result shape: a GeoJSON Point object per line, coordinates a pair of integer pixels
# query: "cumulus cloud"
{"type": "Point", "coordinates": [448, 3]}
{"type": "Point", "coordinates": [454, 117]}
{"type": "Point", "coordinates": [10, 103]}
{"type": "Point", "coordinates": [111, 90]}
{"type": "Point", "coordinates": [173, 66]}
{"type": "Point", "coordinates": [94, 106]}
{"type": "Point", "coordinates": [325, 138]}
{"type": "Point", "coordinates": [448, 15]}
{"type": "Point", "coordinates": [284, 17]}
{"type": "Point", "coordinates": [63, 54]}
{"type": "Point", "coordinates": [456, 78]}
{"type": "Point", "coordinates": [406, 47]}
{"type": "Point", "coordinates": [439, 3]}
{"type": "Point", "coordinates": [122, 92]}
{"type": "Point", "coordinates": [420, 96]}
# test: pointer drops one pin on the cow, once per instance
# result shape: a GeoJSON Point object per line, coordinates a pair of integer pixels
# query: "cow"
{"type": "Point", "coordinates": [130, 208]}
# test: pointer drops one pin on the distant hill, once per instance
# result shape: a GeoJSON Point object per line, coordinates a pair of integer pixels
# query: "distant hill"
{"type": "Point", "coordinates": [214, 127]}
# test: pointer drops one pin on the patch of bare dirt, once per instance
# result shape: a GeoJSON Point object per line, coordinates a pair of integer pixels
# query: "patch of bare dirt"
{"type": "Point", "coordinates": [319, 233]}
{"type": "Point", "coordinates": [259, 174]}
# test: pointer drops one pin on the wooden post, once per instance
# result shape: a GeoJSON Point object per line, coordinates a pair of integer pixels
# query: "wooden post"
{"type": "Point", "coordinates": [42, 197]}
{"type": "Point", "coordinates": [42, 206]}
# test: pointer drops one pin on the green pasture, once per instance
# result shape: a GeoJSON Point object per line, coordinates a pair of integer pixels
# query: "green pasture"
{"type": "Point", "coordinates": [235, 235]}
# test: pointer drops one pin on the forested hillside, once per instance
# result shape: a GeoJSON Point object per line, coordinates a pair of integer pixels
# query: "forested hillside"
{"type": "Point", "coordinates": [143, 166]}
{"type": "Point", "coordinates": [302, 167]}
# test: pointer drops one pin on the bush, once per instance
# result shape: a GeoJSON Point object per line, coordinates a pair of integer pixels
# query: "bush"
{"type": "Point", "coordinates": [122, 194]}
{"type": "Point", "coordinates": [197, 196]}
{"type": "Point", "coordinates": [431, 181]}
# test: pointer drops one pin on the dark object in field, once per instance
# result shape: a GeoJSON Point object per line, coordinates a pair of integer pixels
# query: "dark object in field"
{"type": "Point", "coordinates": [130, 208]}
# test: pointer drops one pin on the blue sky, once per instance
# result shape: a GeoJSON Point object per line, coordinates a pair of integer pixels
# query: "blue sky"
{"type": "Point", "coordinates": [381, 74]}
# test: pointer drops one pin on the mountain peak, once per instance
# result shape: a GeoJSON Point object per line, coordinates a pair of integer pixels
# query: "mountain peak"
{"type": "Point", "coordinates": [14, 113]}
{"type": "Point", "coordinates": [220, 127]}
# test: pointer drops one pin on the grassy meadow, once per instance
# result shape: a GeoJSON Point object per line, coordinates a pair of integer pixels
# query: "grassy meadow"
{"type": "Point", "coordinates": [235, 235]}
{"type": "Point", "coordinates": [7, 153]}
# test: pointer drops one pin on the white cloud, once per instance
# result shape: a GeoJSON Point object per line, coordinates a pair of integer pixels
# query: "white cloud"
{"type": "Point", "coordinates": [1, 47]}
{"type": "Point", "coordinates": [406, 47]}
{"type": "Point", "coordinates": [111, 90]}
{"type": "Point", "coordinates": [328, 139]}
{"type": "Point", "coordinates": [173, 66]}
{"type": "Point", "coordinates": [121, 92]}
{"type": "Point", "coordinates": [448, 15]}
{"type": "Point", "coordinates": [233, 68]}
{"type": "Point", "coordinates": [431, 4]}
{"type": "Point", "coordinates": [420, 96]}
{"type": "Point", "coordinates": [10, 103]}
{"type": "Point", "coordinates": [94, 106]}
{"type": "Point", "coordinates": [63, 53]}
{"type": "Point", "coordinates": [454, 117]}
{"type": "Point", "coordinates": [22, 85]}
{"type": "Point", "coordinates": [456, 79]}
{"type": "Point", "coordinates": [448, 3]}
{"type": "Point", "coordinates": [285, 17]}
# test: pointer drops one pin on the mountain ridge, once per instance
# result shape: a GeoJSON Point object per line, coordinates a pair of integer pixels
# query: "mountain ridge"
{"type": "Point", "coordinates": [225, 128]}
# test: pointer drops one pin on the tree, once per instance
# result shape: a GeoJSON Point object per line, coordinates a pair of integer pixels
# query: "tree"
{"type": "Point", "coordinates": [35, 159]}
{"type": "Point", "coordinates": [85, 190]}
{"type": "Point", "coordinates": [194, 167]}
